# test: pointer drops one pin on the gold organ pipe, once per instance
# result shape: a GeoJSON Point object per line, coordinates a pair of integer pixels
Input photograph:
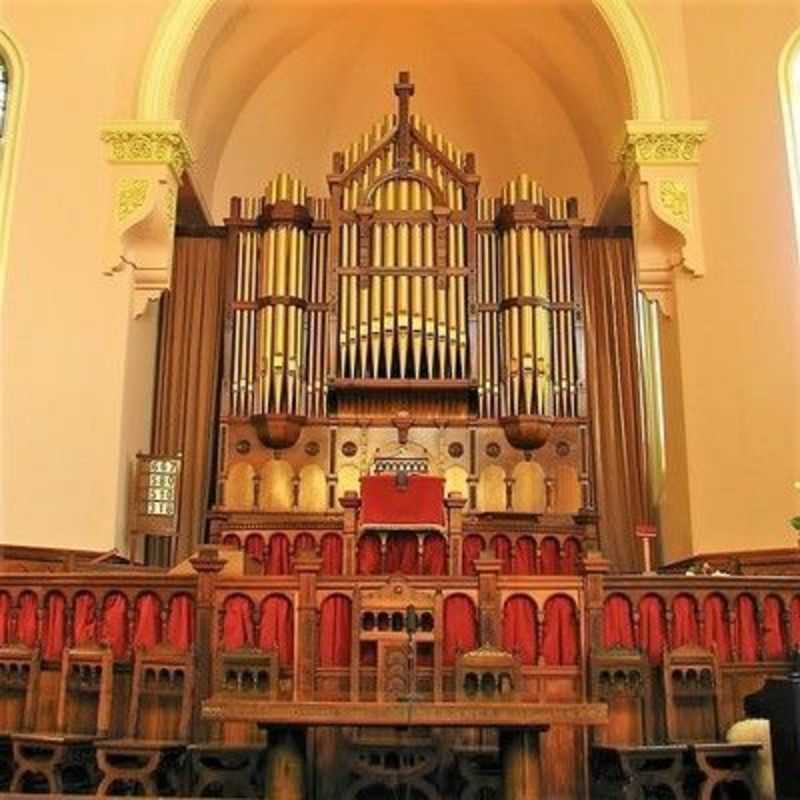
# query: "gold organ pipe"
{"type": "Point", "coordinates": [375, 299]}
{"type": "Point", "coordinates": [389, 309]}
{"type": "Point", "coordinates": [352, 290]}
{"type": "Point", "coordinates": [430, 301]}
{"type": "Point", "coordinates": [417, 300]}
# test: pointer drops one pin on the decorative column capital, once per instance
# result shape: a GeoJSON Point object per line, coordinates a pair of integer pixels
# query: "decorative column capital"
{"type": "Point", "coordinates": [660, 162]}
{"type": "Point", "coordinates": [147, 162]}
{"type": "Point", "coordinates": [140, 142]}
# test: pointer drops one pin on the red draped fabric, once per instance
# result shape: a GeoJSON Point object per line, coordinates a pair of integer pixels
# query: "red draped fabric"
{"type": "Point", "coordinates": [795, 621]}
{"type": "Point", "coordinates": [618, 623]}
{"type": "Point", "coordinates": [54, 629]}
{"type": "Point", "coordinates": [237, 623]}
{"type": "Point", "coordinates": [254, 546]}
{"type": "Point", "coordinates": [560, 641]}
{"type": "Point", "coordinates": [232, 540]}
{"type": "Point", "coordinates": [746, 628]}
{"type": "Point", "coordinates": [304, 541]}
{"type": "Point", "coordinates": [277, 628]}
{"type": "Point", "coordinates": [519, 628]}
{"type": "Point", "coordinates": [571, 558]}
{"type": "Point", "coordinates": [524, 561]}
{"type": "Point", "coordinates": [434, 555]}
{"type": "Point", "coordinates": [5, 615]}
{"type": "Point", "coordinates": [180, 622]}
{"type": "Point", "coordinates": [652, 628]}
{"type": "Point", "coordinates": [773, 640]}
{"type": "Point", "coordinates": [84, 619]}
{"type": "Point", "coordinates": [685, 628]}
{"type": "Point", "coordinates": [114, 626]}
{"type": "Point", "coordinates": [470, 552]}
{"type": "Point", "coordinates": [419, 502]}
{"type": "Point", "coordinates": [27, 626]}
{"type": "Point", "coordinates": [402, 554]}
{"type": "Point", "coordinates": [717, 632]}
{"type": "Point", "coordinates": [335, 631]}
{"type": "Point", "coordinates": [369, 555]}
{"type": "Point", "coordinates": [551, 558]}
{"type": "Point", "coordinates": [501, 547]}
{"type": "Point", "coordinates": [147, 622]}
{"type": "Point", "coordinates": [277, 561]}
{"type": "Point", "coordinates": [332, 553]}
{"type": "Point", "coordinates": [460, 627]}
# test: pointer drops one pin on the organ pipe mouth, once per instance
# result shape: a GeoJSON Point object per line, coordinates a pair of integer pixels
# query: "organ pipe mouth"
{"type": "Point", "coordinates": [527, 432]}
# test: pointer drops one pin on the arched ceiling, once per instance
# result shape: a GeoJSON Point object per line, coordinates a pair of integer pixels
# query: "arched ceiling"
{"type": "Point", "coordinates": [528, 86]}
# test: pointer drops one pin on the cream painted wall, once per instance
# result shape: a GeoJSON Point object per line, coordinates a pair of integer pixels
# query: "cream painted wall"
{"type": "Point", "coordinates": [77, 372]}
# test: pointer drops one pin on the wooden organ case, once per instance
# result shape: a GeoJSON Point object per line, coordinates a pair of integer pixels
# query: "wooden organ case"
{"type": "Point", "coordinates": [405, 305]}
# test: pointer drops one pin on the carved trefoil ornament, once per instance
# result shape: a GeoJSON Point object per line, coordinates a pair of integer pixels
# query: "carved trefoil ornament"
{"type": "Point", "coordinates": [660, 161]}
{"type": "Point", "coordinates": [147, 162]}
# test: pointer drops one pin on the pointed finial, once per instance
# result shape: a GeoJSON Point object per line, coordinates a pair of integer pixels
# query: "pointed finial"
{"type": "Point", "coordinates": [404, 90]}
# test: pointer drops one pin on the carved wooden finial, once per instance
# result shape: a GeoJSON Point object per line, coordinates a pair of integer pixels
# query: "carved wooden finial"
{"type": "Point", "coordinates": [403, 423]}
{"type": "Point", "coordinates": [404, 90]}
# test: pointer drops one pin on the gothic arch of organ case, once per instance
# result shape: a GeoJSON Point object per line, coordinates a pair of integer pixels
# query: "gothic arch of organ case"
{"type": "Point", "coordinates": [405, 293]}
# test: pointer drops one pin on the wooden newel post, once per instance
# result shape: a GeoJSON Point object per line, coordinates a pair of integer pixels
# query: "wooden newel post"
{"type": "Point", "coordinates": [307, 566]}
{"type": "Point", "coordinates": [207, 564]}
{"type": "Point", "coordinates": [454, 503]}
{"type": "Point", "coordinates": [488, 568]}
{"type": "Point", "coordinates": [645, 534]}
{"type": "Point", "coordinates": [596, 568]}
{"type": "Point", "coordinates": [351, 503]}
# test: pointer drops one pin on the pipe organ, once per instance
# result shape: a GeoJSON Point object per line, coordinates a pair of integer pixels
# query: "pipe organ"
{"type": "Point", "coordinates": [404, 292]}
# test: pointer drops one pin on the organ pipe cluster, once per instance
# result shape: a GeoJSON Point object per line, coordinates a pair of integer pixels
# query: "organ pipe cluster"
{"type": "Point", "coordinates": [405, 276]}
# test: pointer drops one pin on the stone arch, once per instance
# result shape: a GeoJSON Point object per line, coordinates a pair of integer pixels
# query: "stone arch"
{"type": "Point", "coordinates": [182, 21]}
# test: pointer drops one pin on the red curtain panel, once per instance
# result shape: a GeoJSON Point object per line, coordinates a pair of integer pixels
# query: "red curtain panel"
{"type": "Point", "coordinates": [434, 555]}
{"type": "Point", "coordinates": [114, 626]}
{"type": "Point", "coordinates": [84, 618]}
{"type": "Point", "coordinates": [420, 501]}
{"type": "Point", "coordinates": [501, 547]}
{"type": "Point", "coordinates": [519, 628]}
{"type": "Point", "coordinates": [470, 552]}
{"type": "Point", "coordinates": [571, 559]}
{"type": "Point", "coordinates": [460, 627]}
{"type": "Point", "coordinates": [332, 553]}
{"type": "Point", "coordinates": [237, 623]}
{"type": "Point", "coordinates": [551, 558]}
{"type": "Point", "coordinates": [746, 628]}
{"type": "Point", "coordinates": [524, 561]}
{"type": "Point", "coordinates": [773, 640]}
{"type": "Point", "coordinates": [717, 632]}
{"type": "Point", "coordinates": [54, 629]}
{"type": "Point", "coordinates": [618, 622]}
{"type": "Point", "coordinates": [255, 546]}
{"type": "Point", "coordinates": [335, 631]}
{"type": "Point", "coordinates": [402, 554]}
{"type": "Point", "coordinates": [277, 628]}
{"type": "Point", "coordinates": [5, 616]}
{"type": "Point", "coordinates": [277, 561]}
{"type": "Point", "coordinates": [368, 555]}
{"type": "Point", "coordinates": [560, 641]}
{"type": "Point", "coordinates": [652, 628]}
{"type": "Point", "coordinates": [795, 621]}
{"type": "Point", "coordinates": [27, 627]}
{"type": "Point", "coordinates": [685, 629]}
{"type": "Point", "coordinates": [147, 622]}
{"type": "Point", "coordinates": [180, 622]}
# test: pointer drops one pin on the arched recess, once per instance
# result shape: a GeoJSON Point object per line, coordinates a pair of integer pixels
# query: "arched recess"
{"type": "Point", "coordinates": [182, 21]}
{"type": "Point", "coordinates": [789, 86]}
{"type": "Point", "coordinates": [10, 137]}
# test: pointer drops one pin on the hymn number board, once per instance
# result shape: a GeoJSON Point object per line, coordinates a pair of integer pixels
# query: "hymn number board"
{"type": "Point", "coordinates": [157, 489]}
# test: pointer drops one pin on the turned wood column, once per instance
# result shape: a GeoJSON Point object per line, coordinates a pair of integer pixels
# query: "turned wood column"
{"type": "Point", "coordinates": [207, 564]}
{"type": "Point", "coordinates": [521, 765]}
{"type": "Point", "coordinates": [489, 612]}
{"type": "Point", "coordinates": [351, 503]}
{"type": "Point", "coordinates": [285, 770]}
{"type": "Point", "coordinates": [307, 566]}
{"type": "Point", "coordinates": [454, 503]}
